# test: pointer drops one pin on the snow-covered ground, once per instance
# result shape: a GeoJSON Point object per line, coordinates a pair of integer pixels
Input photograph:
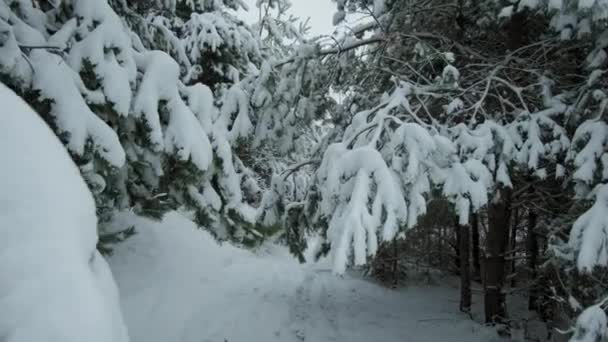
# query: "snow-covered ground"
{"type": "Point", "coordinates": [177, 284]}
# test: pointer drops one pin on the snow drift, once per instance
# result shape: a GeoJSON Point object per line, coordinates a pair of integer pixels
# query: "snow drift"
{"type": "Point", "coordinates": [55, 286]}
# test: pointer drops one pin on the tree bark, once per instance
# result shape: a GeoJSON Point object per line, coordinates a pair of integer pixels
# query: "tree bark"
{"type": "Point", "coordinates": [441, 246]}
{"type": "Point", "coordinates": [429, 245]}
{"type": "Point", "coordinates": [517, 31]}
{"type": "Point", "coordinates": [465, 269]}
{"type": "Point", "coordinates": [513, 246]}
{"type": "Point", "coordinates": [475, 242]}
{"type": "Point", "coordinates": [532, 252]}
{"type": "Point", "coordinates": [457, 245]}
{"type": "Point", "coordinates": [395, 265]}
{"type": "Point", "coordinates": [499, 213]}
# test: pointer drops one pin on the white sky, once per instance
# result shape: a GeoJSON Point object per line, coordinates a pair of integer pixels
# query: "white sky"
{"type": "Point", "coordinates": [320, 13]}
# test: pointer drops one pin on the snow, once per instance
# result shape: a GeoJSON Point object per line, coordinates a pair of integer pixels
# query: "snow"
{"type": "Point", "coordinates": [454, 106]}
{"type": "Point", "coordinates": [177, 284]}
{"type": "Point", "coordinates": [592, 135]}
{"type": "Point", "coordinates": [11, 60]}
{"type": "Point", "coordinates": [585, 4]}
{"type": "Point", "coordinates": [379, 7]}
{"type": "Point", "coordinates": [200, 100]}
{"type": "Point", "coordinates": [236, 102]}
{"type": "Point", "coordinates": [346, 176]}
{"type": "Point", "coordinates": [184, 134]}
{"type": "Point", "coordinates": [467, 186]}
{"type": "Point", "coordinates": [591, 325]}
{"type": "Point", "coordinates": [589, 235]}
{"type": "Point", "coordinates": [208, 32]}
{"type": "Point", "coordinates": [597, 59]}
{"type": "Point", "coordinates": [450, 75]}
{"type": "Point", "coordinates": [506, 12]}
{"type": "Point", "coordinates": [55, 286]}
{"type": "Point", "coordinates": [71, 113]}
{"type": "Point", "coordinates": [555, 5]}
{"type": "Point", "coordinates": [531, 4]}
{"type": "Point", "coordinates": [108, 48]}
{"type": "Point", "coordinates": [338, 17]}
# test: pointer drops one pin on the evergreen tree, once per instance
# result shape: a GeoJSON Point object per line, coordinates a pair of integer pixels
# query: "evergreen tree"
{"type": "Point", "coordinates": [145, 133]}
{"type": "Point", "coordinates": [186, 105]}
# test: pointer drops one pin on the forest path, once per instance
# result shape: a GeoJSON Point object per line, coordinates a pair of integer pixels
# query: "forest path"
{"type": "Point", "coordinates": [178, 285]}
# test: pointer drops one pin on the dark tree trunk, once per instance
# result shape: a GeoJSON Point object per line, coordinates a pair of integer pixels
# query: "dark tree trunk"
{"type": "Point", "coordinates": [441, 246]}
{"type": "Point", "coordinates": [395, 264]}
{"type": "Point", "coordinates": [513, 246]}
{"type": "Point", "coordinates": [457, 245]}
{"type": "Point", "coordinates": [517, 31]}
{"type": "Point", "coordinates": [532, 252]}
{"type": "Point", "coordinates": [429, 245]}
{"type": "Point", "coordinates": [499, 213]}
{"type": "Point", "coordinates": [465, 269]}
{"type": "Point", "coordinates": [475, 241]}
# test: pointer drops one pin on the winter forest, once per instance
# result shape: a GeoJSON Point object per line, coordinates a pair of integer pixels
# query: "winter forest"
{"type": "Point", "coordinates": [214, 171]}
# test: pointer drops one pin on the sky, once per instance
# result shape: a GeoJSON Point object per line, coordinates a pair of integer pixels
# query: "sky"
{"type": "Point", "coordinates": [320, 13]}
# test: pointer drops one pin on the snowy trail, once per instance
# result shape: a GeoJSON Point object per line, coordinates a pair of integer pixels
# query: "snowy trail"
{"type": "Point", "coordinates": [178, 285]}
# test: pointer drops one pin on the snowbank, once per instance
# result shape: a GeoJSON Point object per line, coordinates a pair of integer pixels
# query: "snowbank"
{"type": "Point", "coordinates": [55, 287]}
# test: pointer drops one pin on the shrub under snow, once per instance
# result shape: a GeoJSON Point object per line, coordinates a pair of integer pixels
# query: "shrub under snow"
{"type": "Point", "coordinates": [55, 286]}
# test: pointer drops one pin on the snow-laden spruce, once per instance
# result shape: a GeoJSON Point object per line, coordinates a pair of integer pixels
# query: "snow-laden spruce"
{"type": "Point", "coordinates": [154, 102]}
{"type": "Point", "coordinates": [109, 106]}
{"type": "Point", "coordinates": [376, 181]}
{"type": "Point", "coordinates": [55, 285]}
{"type": "Point", "coordinates": [245, 105]}
{"type": "Point", "coordinates": [591, 325]}
{"type": "Point", "coordinates": [589, 235]}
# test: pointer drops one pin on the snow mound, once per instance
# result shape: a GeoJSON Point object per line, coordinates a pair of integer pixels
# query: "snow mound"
{"type": "Point", "coordinates": [55, 287]}
{"type": "Point", "coordinates": [177, 284]}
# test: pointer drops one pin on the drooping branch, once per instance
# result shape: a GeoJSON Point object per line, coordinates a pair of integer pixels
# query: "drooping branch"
{"type": "Point", "coordinates": [298, 166]}
{"type": "Point", "coordinates": [378, 38]}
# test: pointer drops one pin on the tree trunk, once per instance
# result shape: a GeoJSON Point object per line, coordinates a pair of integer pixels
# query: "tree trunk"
{"type": "Point", "coordinates": [499, 213]}
{"type": "Point", "coordinates": [395, 265]}
{"type": "Point", "coordinates": [465, 269]}
{"type": "Point", "coordinates": [513, 246]}
{"type": "Point", "coordinates": [457, 245]}
{"type": "Point", "coordinates": [441, 246]}
{"type": "Point", "coordinates": [517, 31]}
{"type": "Point", "coordinates": [532, 252]}
{"type": "Point", "coordinates": [475, 239]}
